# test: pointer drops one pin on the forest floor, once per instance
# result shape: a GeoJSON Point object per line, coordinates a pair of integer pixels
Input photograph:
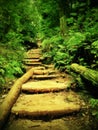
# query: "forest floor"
{"type": "Point", "coordinates": [47, 103]}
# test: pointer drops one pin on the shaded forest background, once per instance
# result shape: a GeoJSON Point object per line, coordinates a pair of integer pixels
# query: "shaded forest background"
{"type": "Point", "coordinates": [68, 30]}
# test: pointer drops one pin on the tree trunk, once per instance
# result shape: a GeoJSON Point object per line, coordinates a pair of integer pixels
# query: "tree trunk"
{"type": "Point", "coordinates": [88, 74]}
{"type": "Point", "coordinates": [63, 13]}
{"type": "Point", "coordinates": [63, 25]}
{"type": "Point", "coordinates": [12, 97]}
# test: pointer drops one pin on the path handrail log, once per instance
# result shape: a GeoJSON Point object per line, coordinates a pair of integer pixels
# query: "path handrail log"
{"type": "Point", "coordinates": [88, 74]}
{"type": "Point", "coordinates": [12, 96]}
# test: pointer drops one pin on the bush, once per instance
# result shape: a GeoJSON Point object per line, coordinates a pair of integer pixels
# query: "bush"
{"type": "Point", "coordinates": [10, 62]}
{"type": "Point", "coordinates": [94, 107]}
{"type": "Point", "coordinates": [94, 52]}
{"type": "Point", "coordinates": [63, 52]}
{"type": "Point", "coordinates": [50, 47]}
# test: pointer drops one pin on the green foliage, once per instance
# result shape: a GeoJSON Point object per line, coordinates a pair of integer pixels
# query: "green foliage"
{"type": "Point", "coordinates": [19, 24]}
{"type": "Point", "coordinates": [10, 63]}
{"type": "Point", "coordinates": [94, 52]}
{"type": "Point", "coordinates": [14, 40]}
{"type": "Point", "coordinates": [94, 106]}
{"type": "Point", "coordinates": [18, 18]}
{"type": "Point", "coordinates": [50, 47]}
{"type": "Point", "coordinates": [49, 18]}
{"type": "Point", "coordinates": [63, 52]}
{"type": "Point", "coordinates": [80, 44]}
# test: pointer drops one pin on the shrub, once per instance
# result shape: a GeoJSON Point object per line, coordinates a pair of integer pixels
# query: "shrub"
{"type": "Point", "coordinates": [10, 62]}
{"type": "Point", "coordinates": [94, 107]}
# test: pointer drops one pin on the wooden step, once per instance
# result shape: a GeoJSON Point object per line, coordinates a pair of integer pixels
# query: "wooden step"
{"type": "Point", "coordinates": [42, 77]}
{"type": "Point", "coordinates": [31, 60]}
{"type": "Point", "coordinates": [45, 71]}
{"type": "Point", "coordinates": [33, 63]}
{"type": "Point", "coordinates": [40, 67]}
{"type": "Point", "coordinates": [35, 50]}
{"type": "Point", "coordinates": [45, 86]}
{"type": "Point", "coordinates": [46, 104]}
{"type": "Point", "coordinates": [33, 56]}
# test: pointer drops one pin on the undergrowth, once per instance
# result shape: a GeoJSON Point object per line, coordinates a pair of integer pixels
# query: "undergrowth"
{"type": "Point", "coordinates": [10, 63]}
{"type": "Point", "coordinates": [80, 45]}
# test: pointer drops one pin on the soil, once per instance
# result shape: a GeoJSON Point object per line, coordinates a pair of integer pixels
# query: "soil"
{"type": "Point", "coordinates": [71, 122]}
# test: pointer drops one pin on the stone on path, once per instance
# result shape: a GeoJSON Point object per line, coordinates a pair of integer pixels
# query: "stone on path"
{"type": "Point", "coordinates": [51, 104]}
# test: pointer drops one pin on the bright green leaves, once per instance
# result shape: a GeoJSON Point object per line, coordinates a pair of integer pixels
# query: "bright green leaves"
{"type": "Point", "coordinates": [94, 106]}
{"type": "Point", "coordinates": [10, 62]}
{"type": "Point", "coordinates": [95, 45]}
{"type": "Point", "coordinates": [13, 68]}
{"type": "Point", "coordinates": [17, 25]}
{"type": "Point", "coordinates": [94, 52]}
{"type": "Point", "coordinates": [75, 41]}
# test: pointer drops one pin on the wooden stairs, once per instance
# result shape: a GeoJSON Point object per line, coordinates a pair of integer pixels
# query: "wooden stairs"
{"type": "Point", "coordinates": [46, 92]}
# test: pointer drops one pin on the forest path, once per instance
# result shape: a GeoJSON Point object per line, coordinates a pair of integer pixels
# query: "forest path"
{"type": "Point", "coordinates": [45, 99]}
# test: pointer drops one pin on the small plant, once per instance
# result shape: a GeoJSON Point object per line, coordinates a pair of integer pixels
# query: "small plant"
{"type": "Point", "coordinates": [94, 106]}
{"type": "Point", "coordinates": [94, 52]}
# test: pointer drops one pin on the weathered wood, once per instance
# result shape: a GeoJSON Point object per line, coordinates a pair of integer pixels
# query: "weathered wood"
{"type": "Point", "coordinates": [42, 72]}
{"type": "Point", "coordinates": [33, 63]}
{"type": "Point", "coordinates": [12, 96]}
{"type": "Point", "coordinates": [33, 56]}
{"type": "Point", "coordinates": [30, 60]}
{"type": "Point", "coordinates": [53, 104]}
{"type": "Point", "coordinates": [42, 77]}
{"type": "Point", "coordinates": [45, 86]}
{"type": "Point", "coordinates": [87, 73]}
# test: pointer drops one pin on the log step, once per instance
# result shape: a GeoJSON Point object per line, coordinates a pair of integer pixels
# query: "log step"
{"type": "Point", "coordinates": [40, 67]}
{"type": "Point", "coordinates": [34, 50]}
{"type": "Point", "coordinates": [33, 63]}
{"type": "Point", "coordinates": [33, 56]}
{"type": "Point", "coordinates": [45, 86]}
{"type": "Point", "coordinates": [46, 104]}
{"type": "Point", "coordinates": [31, 60]}
{"type": "Point", "coordinates": [42, 77]}
{"type": "Point", "coordinates": [45, 71]}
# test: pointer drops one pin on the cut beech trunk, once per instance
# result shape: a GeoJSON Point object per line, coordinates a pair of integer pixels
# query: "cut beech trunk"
{"type": "Point", "coordinates": [89, 74]}
{"type": "Point", "coordinates": [12, 96]}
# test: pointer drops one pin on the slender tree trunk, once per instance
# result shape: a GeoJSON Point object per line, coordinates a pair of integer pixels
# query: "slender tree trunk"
{"type": "Point", "coordinates": [63, 13]}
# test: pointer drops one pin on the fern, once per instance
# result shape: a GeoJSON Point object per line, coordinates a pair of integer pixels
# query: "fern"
{"type": "Point", "coordinates": [94, 106]}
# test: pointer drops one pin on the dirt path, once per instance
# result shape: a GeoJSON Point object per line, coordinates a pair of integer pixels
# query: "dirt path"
{"type": "Point", "coordinates": [45, 103]}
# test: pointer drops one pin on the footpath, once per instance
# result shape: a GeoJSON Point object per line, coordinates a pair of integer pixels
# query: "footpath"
{"type": "Point", "coordinates": [45, 100]}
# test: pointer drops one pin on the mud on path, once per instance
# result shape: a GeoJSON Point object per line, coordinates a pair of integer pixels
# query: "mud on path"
{"type": "Point", "coordinates": [46, 102]}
